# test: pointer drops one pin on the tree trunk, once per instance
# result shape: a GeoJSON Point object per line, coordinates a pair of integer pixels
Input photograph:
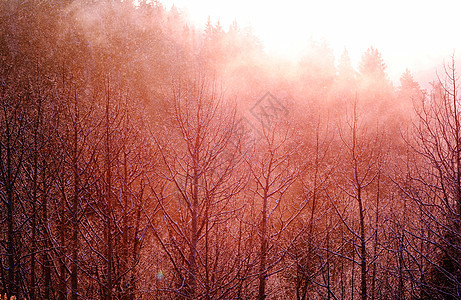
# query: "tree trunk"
{"type": "Point", "coordinates": [263, 249]}
{"type": "Point", "coordinates": [363, 253]}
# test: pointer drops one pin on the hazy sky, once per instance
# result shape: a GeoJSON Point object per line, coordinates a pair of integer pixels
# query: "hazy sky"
{"type": "Point", "coordinates": [408, 33]}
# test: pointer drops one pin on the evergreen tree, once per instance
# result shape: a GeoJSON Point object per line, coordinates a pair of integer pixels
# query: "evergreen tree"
{"type": "Point", "coordinates": [372, 66]}
{"type": "Point", "coordinates": [346, 73]}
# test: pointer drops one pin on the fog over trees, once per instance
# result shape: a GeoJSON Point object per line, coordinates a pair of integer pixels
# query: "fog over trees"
{"type": "Point", "coordinates": [144, 158]}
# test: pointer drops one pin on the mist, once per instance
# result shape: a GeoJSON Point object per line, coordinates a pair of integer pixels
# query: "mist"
{"type": "Point", "coordinates": [145, 155]}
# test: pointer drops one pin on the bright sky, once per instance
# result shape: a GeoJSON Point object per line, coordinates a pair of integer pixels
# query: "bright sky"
{"type": "Point", "coordinates": [409, 34]}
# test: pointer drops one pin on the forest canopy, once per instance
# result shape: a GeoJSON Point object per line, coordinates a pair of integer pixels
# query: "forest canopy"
{"type": "Point", "coordinates": [142, 157]}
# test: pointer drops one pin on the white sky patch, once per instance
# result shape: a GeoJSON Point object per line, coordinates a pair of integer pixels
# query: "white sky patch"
{"type": "Point", "coordinates": [408, 33]}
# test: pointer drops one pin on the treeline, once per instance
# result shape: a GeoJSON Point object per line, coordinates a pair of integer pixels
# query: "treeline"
{"type": "Point", "coordinates": [142, 158]}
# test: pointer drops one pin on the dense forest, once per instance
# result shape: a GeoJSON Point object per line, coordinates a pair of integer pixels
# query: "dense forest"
{"type": "Point", "coordinates": [144, 158]}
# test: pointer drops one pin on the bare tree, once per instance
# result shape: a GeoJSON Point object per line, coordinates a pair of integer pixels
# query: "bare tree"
{"type": "Point", "coordinates": [358, 170]}
{"type": "Point", "coordinates": [434, 184]}
{"type": "Point", "coordinates": [14, 122]}
{"type": "Point", "coordinates": [198, 202]}
{"type": "Point", "coordinates": [273, 171]}
{"type": "Point", "coordinates": [311, 249]}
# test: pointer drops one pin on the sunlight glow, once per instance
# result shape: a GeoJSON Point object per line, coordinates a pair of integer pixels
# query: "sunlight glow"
{"type": "Point", "coordinates": [409, 34]}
